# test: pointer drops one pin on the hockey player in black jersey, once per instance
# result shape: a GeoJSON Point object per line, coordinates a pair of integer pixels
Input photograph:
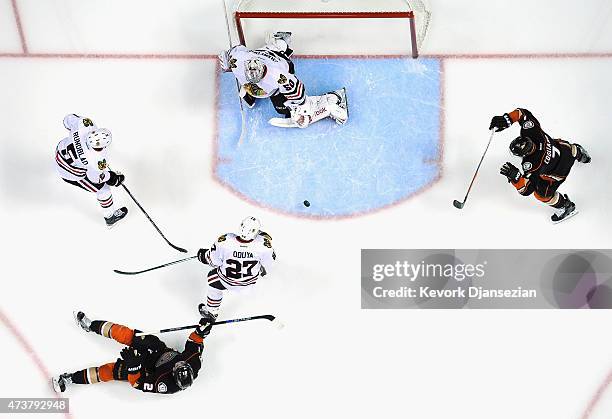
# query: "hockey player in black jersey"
{"type": "Point", "coordinates": [546, 162]}
{"type": "Point", "coordinates": [146, 362]}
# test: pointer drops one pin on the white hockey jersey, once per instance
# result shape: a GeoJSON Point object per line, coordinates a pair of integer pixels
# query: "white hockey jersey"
{"type": "Point", "coordinates": [239, 263]}
{"type": "Point", "coordinates": [278, 78]}
{"type": "Point", "coordinates": [74, 156]}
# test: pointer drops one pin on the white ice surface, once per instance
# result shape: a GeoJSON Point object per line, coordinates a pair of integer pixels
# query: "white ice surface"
{"type": "Point", "coordinates": [332, 359]}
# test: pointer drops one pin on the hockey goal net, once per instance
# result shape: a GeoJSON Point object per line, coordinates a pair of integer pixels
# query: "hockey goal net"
{"type": "Point", "coordinates": [334, 27]}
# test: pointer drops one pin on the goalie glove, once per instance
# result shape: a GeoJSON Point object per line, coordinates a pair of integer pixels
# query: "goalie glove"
{"type": "Point", "coordinates": [511, 172]}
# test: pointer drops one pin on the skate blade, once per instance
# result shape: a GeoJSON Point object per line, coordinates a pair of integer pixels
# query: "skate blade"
{"type": "Point", "coordinates": [566, 218]}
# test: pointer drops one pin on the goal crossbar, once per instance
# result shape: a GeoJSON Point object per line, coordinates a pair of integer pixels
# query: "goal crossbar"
{"type": "Point", "coordinates": [239, 15]}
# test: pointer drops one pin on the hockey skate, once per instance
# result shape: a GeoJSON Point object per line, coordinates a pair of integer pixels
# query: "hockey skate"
{"type": "Point", "coordinates": [116, 216]}
{"type": "Point", "coordinates": [82, 321]}
{"type": "Point", "coordinates": [341, 114]}
{"type": "Point", "coordinates": [584, 155]}
{"type": "Point", "coordinates": [207, 314]}
{"type": "Point", "coordinates": [60, 383]}
{"type": "Point", "coordinates": [565, 212]}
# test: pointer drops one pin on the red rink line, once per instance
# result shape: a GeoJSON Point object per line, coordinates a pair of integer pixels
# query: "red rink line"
{"type": "Point", "coordinates": [29, 350]}
{"type": "Point", "coordinates": [597, 397]}
{"type": "Point", "coordinates": [24, 45]}
{"type": "Point", "coordinates": [110, 56]}
{"type": "Point", "coordinates": [156, 56]}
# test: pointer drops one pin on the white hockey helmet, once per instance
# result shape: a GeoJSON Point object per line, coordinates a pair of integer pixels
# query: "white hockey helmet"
{"type": "Point", "coordinates": [99, 138]}
{"type": "Point", "coordinates": [249, 228]}
{"type": "Point", "coordinates": [254, 70]}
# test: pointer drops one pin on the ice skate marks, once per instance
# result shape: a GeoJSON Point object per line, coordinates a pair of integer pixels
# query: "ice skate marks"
{"type": "Point", "coordinates": [388, 151]}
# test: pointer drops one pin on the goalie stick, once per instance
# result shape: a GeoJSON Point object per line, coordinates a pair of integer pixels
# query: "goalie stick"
{"type": "Point", "coordinates": [458, 204]}
{"type": "Point", "coordinates": [242, 113]}
{"type": "Point", "coordinates": [269, 317]}
{"type": "Point", "coordinates": [155, 267]}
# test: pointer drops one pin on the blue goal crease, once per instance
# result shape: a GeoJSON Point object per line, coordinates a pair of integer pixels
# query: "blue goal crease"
{"type": "Point", "coordinates": [388, 150]}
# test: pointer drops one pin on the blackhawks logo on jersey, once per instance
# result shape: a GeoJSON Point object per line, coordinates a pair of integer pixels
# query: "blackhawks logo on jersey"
{"type": "Point", "coordinates": [282, 79]}
{"type": "Point", "coordinates": [102, 164]}
{"type": "Point", "coordinates": [222, 238]}
{"type": "Point", "coordinates": [254, 90]}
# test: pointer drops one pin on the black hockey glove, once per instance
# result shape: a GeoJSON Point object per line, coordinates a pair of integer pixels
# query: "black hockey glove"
{"type": "Point", "coordinates": [511, 172]}
{"type": "Point", "coordinates": [500, 123]}
{"type": "Point", "coordinates": [116, 179]}
{"type": "Point", "coordinates": [147, 344]}
{"type": "Point", "coordinates": [202, 256]}
{"type": "Point", "coordinates": [132, 359]}
{"type": "Point", "coordinates": [204, 328]}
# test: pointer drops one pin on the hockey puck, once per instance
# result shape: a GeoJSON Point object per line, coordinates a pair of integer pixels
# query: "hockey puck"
{"type": "Point", "coordinates": [306, 203]}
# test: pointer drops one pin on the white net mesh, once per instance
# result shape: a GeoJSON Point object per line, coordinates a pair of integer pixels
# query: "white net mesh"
{"type": "Point", "coordinates": [342, 36]}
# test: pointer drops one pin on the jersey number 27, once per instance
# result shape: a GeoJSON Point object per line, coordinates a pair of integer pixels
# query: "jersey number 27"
{"type": "Point", "coordinates": [235, 267]}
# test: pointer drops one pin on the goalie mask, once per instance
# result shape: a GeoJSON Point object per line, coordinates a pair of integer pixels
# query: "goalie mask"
{"type": "Point", "coordinates": [99, 138]}
{"type": "Point", "coordinates": [254, 70]}
{"type": "Point", "coordinates": [183, 374]}
{"type": "Point", "coordinates": [522, 146]}
{"type": "Point", "coordinates": [249, 228]}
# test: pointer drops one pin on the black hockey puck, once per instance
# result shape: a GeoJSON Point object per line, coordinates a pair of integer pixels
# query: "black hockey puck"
{"type": "Point", "coordinates": [306, 203]}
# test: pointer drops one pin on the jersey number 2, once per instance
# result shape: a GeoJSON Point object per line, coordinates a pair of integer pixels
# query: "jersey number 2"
{"type": "Point", "coordinates": [234, 268]}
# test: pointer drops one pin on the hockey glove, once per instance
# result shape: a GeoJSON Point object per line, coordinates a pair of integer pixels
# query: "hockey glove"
{"type": "Point", "coordinates": [132, 359]}
{"type": "Point", "coordinates": [511, 172]}
{"type": "Point", "coordinates": [116, 179]}
{"type": "Point", "coordinates": [203, 329]}
{"type": "Point", "coordinates": [147, 344]}
{"type": "Point", "coordinates": [202, 256]}
{"type": "Point", "coordinates": [500, 123]}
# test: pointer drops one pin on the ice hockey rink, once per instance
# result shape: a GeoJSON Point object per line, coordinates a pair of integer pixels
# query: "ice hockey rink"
{"type": "Point", "coordinates": [147, 70]}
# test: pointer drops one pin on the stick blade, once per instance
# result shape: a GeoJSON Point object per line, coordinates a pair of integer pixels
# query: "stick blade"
{"type": "Point", "coordinates": [458, 204]}
{"type": "Point", "coordinates": [117, 271]}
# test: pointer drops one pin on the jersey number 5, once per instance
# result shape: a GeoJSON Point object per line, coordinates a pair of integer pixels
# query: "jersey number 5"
{"type": "Point", "coordinates": [235, 267]}
{"type": "Point", "coordinates": [69, 154]}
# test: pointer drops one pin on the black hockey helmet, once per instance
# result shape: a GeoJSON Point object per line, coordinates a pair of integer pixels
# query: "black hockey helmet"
{"type": "Point", "coordinates": [183, 374]}
{"type": "Point", "coordinates": [522, 146]}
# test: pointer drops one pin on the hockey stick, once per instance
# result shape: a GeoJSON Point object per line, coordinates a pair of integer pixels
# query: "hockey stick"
{"type": "Point", "coordinates": [180, 249]}
{"type": "Point", "coordinates": [458, 204]}
{"type": "Point", "coordinates": [242, 113]}
{"type": "Point", "coordinates": [193, 326]}
{"type": "Point", "coordinates": [154, 268]}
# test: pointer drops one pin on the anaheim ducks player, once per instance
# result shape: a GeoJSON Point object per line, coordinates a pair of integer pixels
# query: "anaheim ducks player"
{"type": "Point", "coordinates": [268, 72]}
{"type": "Point", "coordinates": [81, 161]}
{"type": "Point", "coordinates": [546, 162]}
{"type": "Point", "coordinates": [238, 260]}
{"type": "Point", "coordinates": [146, 362]}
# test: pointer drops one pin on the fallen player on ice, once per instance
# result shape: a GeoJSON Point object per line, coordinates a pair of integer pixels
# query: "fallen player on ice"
{"type": "Point", "coordinates": [146, 362]}
{"type": "Point", "coordinates": [268, 72]}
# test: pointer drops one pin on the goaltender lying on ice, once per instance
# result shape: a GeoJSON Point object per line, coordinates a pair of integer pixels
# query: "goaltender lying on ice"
{"type": "Point", "coordinates": [268, 72]}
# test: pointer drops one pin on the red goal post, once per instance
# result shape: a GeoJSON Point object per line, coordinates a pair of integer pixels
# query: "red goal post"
{"type": "Point", "coordinates": [417, 23]}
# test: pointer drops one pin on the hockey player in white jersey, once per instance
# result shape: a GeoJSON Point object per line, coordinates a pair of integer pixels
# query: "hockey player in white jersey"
{"type": "Point", "coordinates": [268, 72]}
{"type": "Point", "coordinates": [81, 161]}
{"type": "Point", "coordinates": [238, 260]}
